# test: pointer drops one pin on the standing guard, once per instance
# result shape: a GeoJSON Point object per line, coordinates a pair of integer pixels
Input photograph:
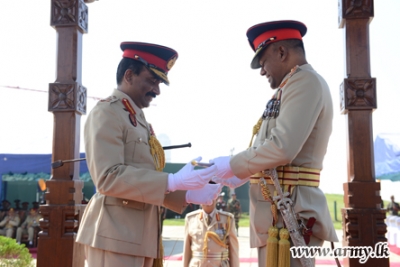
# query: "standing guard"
{"type": "Point", "coordinates": [210, 238]}
{"type": "Point", "coordinates": [235, 208]}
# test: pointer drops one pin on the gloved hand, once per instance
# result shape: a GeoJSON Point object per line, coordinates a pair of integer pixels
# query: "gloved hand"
{"type": "Point", "coordinates": [232, 182]}
{"type": "Point", "coordinates": [188, 179]}
{"type": "Point", "coordinates": [205, 195]}
{"type": "Point", "coordinates": [224, 170]}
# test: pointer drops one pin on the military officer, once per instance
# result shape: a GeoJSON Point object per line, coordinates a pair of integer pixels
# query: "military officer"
{"type": "Point", "coordinates": [210, 238]}
{"type": "Point", "coordinates": [28, 226]}
{"type": "Point", "coordinates": [221, 204]}
{"type": "Point", "coordinates": [9, 223]}
{"type": "Point", "coordinates": [120, 225]}
{"type": "Point", "coordinates": [292, 136]}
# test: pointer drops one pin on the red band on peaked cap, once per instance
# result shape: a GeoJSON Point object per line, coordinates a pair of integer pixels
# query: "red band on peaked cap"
{"type": "Point", "coordinates": [279, 35]}
{"type": "Point", "coordinates": [150, 58]}
{"type": "Point", "coordinates": [259, 35]}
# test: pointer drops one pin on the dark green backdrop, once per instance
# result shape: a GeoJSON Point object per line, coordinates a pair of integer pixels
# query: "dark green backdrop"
{"type": "Point", "coordinates": [25, 187]}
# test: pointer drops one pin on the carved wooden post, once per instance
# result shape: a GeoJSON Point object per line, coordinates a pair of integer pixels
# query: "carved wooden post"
{"type": "Point", "coordinates": [363, 218]}
{"type": "Point", "coordinates": [67, 101]}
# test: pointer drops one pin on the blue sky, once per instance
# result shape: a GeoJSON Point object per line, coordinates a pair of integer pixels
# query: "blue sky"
{"type": "Point", "coordinates": [214, 98]}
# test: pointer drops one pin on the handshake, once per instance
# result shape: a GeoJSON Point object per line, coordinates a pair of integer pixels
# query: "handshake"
{"type": "Point", "coordinates": [196, 182]}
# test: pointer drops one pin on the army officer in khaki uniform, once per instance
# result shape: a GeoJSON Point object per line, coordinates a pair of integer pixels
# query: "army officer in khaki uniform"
{"type": "Point", "coordinates": [292, 136]}
{"type": "Point", "coordinates": [210, 238]}
{"type": "Point", "coordinates": [120, 225]}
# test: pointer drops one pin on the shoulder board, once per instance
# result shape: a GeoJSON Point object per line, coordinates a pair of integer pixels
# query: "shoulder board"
{"type": "Point", "coordinates": [192, 213]}
{"type": "Point", "coordinates": [109, 99]}
{"type": "Point", "coordinates": [225, 213]}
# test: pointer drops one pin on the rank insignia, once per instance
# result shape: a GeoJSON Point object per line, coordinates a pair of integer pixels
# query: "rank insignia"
{"type": "Point", "coordinates": [131, 110]}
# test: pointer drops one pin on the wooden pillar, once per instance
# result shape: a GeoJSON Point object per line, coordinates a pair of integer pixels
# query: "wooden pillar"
{"type": "Point", "coordinates": [363, 218]}
{"type": "Point", "coordinates": [67, 101]}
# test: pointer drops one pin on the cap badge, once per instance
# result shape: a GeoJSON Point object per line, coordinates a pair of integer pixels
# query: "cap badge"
{"type": "Point", "coordinates": [260, 46]}
{"type": "Point", "coordinates": [171, 63]}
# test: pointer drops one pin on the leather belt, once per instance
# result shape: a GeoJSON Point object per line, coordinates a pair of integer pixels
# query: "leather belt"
{"type": "Point", "coordinates": [291, 175]}
{"type": "Point", "coordinates": [211, 255]}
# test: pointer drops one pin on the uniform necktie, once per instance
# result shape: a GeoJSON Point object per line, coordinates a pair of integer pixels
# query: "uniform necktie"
{"type": "Point", "coordinates": [209, 219]}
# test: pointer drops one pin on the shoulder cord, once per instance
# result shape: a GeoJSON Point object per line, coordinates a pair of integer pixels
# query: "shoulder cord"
{"type": "Point", "coordinates": [156, 150]}
{"type": "Point", "coordinates": [216, 238]}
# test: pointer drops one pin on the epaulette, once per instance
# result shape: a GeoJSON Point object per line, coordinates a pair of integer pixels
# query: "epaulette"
{"type": "Point", "coordinates": [226, 213]}
{"type": "Point", "coordinates": [193, 213]}
{"type": "Point", "coordinates": [110, 99]}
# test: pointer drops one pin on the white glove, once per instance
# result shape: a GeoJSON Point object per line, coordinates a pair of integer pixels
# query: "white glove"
{"type": "Point", "coordinates": [223, 167]}
{"type": "Point", "coordinates": [232, 182]}
{"type": "Point", "coordinates": [188, 179]}
{"type": "Point", "coordinates": [205, 195]}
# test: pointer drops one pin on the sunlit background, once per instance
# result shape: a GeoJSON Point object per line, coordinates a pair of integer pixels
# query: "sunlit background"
{"type": "Point", "coordinates": [214, 98]}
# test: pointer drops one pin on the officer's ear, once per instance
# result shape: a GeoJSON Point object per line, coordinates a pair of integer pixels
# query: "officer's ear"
{"type": "Point", "coordinates": [283, 51]}
{"type": "Point", "coordinates": [128, 76]}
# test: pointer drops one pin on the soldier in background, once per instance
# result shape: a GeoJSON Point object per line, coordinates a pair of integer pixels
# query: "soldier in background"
{"type": "Point", "coordinates": [221, 204]}
{"type": "Point", "coordinates": [5, 206]}
{"type": "Point", "coordinates": [28, 226]}
{"type": "Point", "coordinates": [9, 222]}
{"type": "Point", "coordinates": [35, 205]}
{"type": "Point", "coordinates": [17, 204]}
{"type": "Point", "coordinates": [210, 238]}
{"type": "Point", "coordinates": [24, 211]}
{"type": "Point", "coordinates": [235, 208]}
{"type": "Point", "coordinates": [393, 207]}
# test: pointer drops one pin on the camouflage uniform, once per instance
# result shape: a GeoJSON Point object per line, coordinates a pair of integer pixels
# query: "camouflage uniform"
{"type": "Point", "coordinates": [235, 209]}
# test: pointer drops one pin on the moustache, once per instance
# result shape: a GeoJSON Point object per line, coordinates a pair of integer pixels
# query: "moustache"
{"type": "Point", "coordinates": [151, 94]}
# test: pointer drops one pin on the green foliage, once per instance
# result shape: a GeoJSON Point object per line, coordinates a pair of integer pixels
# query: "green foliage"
{"type": "Point", "coordinates": [13, 254]}
{"type": "Point", "coordinates": [244, 220]}
{"type": "Point", "coordinates": [335, 205]}
{"type": "Point", "coordinates": [175, 222]}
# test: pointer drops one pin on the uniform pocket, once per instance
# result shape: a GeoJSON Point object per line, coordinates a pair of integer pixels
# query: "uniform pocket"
{"type": "Point", "coordinates": [122, 220]}
{"type": "Point", "coordinates": [137, 149]}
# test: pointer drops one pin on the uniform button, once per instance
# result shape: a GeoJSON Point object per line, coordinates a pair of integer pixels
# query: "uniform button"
{"type": "Point", "coordinates": [140, 139]}
{"type": "Point", "coordinates": [208, 239]}
{"type": "Point", "coordinates": [124, 202]}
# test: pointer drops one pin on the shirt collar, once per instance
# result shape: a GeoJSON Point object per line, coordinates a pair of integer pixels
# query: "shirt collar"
{"type": "Point", "coordinates": [212, 214]}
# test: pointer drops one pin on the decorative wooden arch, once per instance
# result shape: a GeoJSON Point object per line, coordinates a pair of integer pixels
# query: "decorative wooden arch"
{"type": "Point", "coordinates": [363, 218]}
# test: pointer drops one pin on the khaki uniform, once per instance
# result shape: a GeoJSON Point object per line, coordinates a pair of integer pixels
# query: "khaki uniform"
{"type": "Point", "coordinates": [28, 226]}
{"type": "Point", "coordinates": [299, 137]}
{"type": "Point", "coordinates": [9, 222]}
{"type": "Point", "coordinates": [123, 216]}
{"type": "Point", "coordinates": [213, 244]}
